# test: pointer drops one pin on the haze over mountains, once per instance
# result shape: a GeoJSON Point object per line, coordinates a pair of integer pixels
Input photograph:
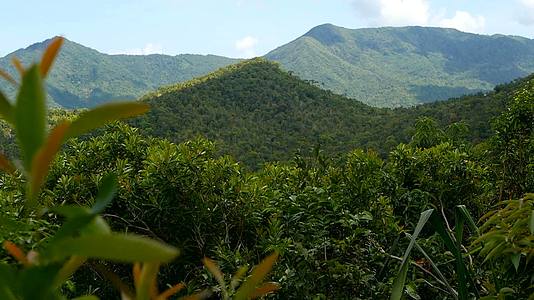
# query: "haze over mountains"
{"type": "Point", "coordinates": [383, 67]}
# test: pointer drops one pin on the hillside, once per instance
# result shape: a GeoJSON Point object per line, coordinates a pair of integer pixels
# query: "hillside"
{"type": "Point", "coordinates": [258, 113]}
{"type": "Point", "coordinates": [83, 77]}
{"type": "Point", "coordinates": [404, 66]}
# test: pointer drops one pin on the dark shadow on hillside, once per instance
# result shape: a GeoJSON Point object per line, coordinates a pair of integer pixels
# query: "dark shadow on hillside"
{"type": "Point", "coordinates": [433, 93]}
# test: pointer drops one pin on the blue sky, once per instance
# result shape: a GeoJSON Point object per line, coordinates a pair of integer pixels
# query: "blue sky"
{"type": "Point", "coordinates": [238, 28]}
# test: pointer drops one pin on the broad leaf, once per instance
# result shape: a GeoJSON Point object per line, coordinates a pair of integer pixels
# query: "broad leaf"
{"type": "Point", "coordinates": [116, 247]}
{"type": "Point", "coordinates": [106, 192]}
{"type": "Point", "coordinates": [30, 115]}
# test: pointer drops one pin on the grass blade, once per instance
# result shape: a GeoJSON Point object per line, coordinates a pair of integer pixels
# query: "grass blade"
{"type": "Point", "coordinates": [436, 269]}
{"type": "Point", "coordinates": [398, 284]}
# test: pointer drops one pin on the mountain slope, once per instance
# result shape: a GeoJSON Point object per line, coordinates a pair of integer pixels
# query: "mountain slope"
{"type": "Point", "coordinates": [83, 77]}
{"type": "Point", "coordinates": [258, 113]}
{"type": "Point", "coordinates": [404, 66]}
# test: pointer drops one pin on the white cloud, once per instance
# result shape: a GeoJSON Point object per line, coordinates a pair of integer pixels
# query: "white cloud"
{"type": "Point", "coordinates": [526, 15]}
{"type": "Point", "coordinates": [149, 48]}
{"type": "Point", "coordinates": [246, 46]}
{"type": "Point", "coordinates": [415, 12]}
{"type": "Point", "coordinates": [464, 21]}
{"type": "Point", "coordinates": [393, 12]}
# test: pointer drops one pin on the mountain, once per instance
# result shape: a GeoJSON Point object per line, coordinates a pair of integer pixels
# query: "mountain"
{"type": "Point", "coordinates": [404, 66]}
{"type": "Point", "coordinates": [84, 77]}
{"type": "Point", "coordinates": [258, 113]}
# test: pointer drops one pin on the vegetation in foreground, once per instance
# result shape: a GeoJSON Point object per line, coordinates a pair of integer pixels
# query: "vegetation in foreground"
{"type": "Point", "coordinates": [339, 223]}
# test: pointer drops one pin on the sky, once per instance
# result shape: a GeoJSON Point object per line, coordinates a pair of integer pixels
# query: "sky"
{"type": "Point", "coordinates": [238, 28]}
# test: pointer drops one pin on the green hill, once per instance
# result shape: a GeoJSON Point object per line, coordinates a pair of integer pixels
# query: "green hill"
{"type": "Point", "coordinates": [258, 113]}
{"type": "Point", "coordinates": [404, 66]}
{"type": "Point", "coordinates": [83, 77]}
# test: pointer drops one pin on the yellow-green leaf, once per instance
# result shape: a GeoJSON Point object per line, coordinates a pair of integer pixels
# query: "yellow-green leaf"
{"type": "Point", "coordinates": [6, 109]}
{"type": "Point", "coordinates": [18, 65]}
{"type": "Point", "coordinates": [30, 115]}
{"type": "Point", "coordinates": [258, 274]}
{"type": "Point", "coordinates": [265, 289]}
{"type": "Point", "coordinates": [105, 114]}
{"type": "Point", "coordinates": [49, 55]}
{"type": "Point", "coordinates": [5, 165]}
{"type": "Point", "coordinates": [8, 77]}
{"type": "Point", "coordinates": [45, 155]}
{"type": "Point", "coordinates": [212, 266]}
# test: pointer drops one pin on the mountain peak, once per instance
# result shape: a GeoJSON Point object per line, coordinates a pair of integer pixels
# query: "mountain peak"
{"type": "Point", "coordinates": [327, 34]}
{"type": "Point", "coordinates": [42, 45]}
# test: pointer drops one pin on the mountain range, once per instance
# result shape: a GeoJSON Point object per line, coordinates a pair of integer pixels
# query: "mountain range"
{"type": "Point", "coordinates": [258, 113]}
{"type": "Point", "coordinates": [84, 77]}
{"type": "Point", "coordinates": [404, 66]}
{"type": "Point", "coordinates": [382, 67]}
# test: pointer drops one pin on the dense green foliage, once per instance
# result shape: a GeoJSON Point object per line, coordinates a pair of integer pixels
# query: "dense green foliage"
{"type": "Point", "coordinates": [258, 113]}
{"type": "Point", "coordinates": [83, 77]}
{"type": "Point", "coordinates": [335, 221]}
{"type": "Point", "coordinates": [339, 222]}
{"type": "Point", "coordinates": [403, 66]}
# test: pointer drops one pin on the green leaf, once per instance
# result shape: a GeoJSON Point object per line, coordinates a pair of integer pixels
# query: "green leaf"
{"type": "Point", "coordinates": [531, 225]}
{"type": "Point", "coordinates": [462, 211]}
{"type": "Point", "coordinates": [516, 258]}
{"type": "Point", "coordinates": [30, 115]}
{"type": "Point", "coordinates": [89, 297]}
{"type": "Point", "coordinates": [116, 247]}
{"type": "Point", "coordinates": [106, 192]}
{"type": "Point", "coordinates": [6, 109]}
{"type": "Point", "coordinates": [398, 284]}
{"type": "Point", "coordinates": [412, 292]}
{"type": "Point", "coordinates": [105, 114]}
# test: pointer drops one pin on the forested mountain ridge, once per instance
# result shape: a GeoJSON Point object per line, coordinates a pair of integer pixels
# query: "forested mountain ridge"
{"type": "Point", "coordinates": [384, 67]}
{"type": "Point", "coordinates": [84, 77]}
{"type": "Point", "coordinates": [258, 113]}
{"type": "Point", "coordinates": [404, 66]}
